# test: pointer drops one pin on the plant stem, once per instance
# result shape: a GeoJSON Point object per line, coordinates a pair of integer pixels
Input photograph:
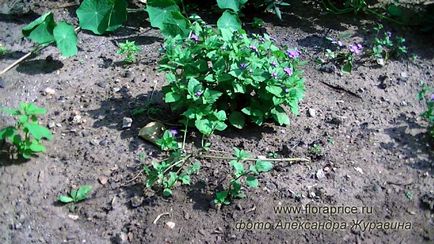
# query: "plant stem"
{"type": "Point", "coordinates": [176, 163]}
{"type": "Point", "coordinates": [185, 135]}
{"type": "Point", "coordinates": [254, 159]}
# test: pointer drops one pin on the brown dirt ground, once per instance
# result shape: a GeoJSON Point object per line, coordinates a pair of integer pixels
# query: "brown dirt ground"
{"type": "Point", "coordinates": [376, 128]}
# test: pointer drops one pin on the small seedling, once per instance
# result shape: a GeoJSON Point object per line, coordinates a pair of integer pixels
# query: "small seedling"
{"type": "Point", "coordinates": [427, 95]}
{"type": "Point", "coordinates": [27, 134]}
{"type": "Point", "coordinates": [342, 55]}
{"type": "Point", "coordinates": [257, 23]}
{"type": "Point", "coordinates": [240, 173]}
{"type": "Point", "coordinates": [385, 47]}
{"type": "Point", "coordinates": [168, 141]}
{"type": "Point", "coordinates": [129, 50]}
{"type": "Point", "coordinates": [3, 50]}
{"type": "Point", "coordinates": [76, 195]}
{"type": "Point", "coordinates": [316, 150]}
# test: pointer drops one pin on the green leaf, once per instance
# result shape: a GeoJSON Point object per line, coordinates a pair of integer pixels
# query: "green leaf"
{"type": "Point", "coordinates": [347, 67]}
{"type": "Point", "coordinates": [82, 193]}
{"type": "Point", "coordinates": [160, 12]}
{"type": "Point", "coordinates": [229, 20]}
{"type": "Point", "coordinates": [32, 109]}
{"type": "Point", "coordinates": [185, 179]}
{"type": "Point", "coordinates": [38, 131]}
{"type": "Point", "coordinates": [229, 4]}
{"type": "Point", "coordinates": [176, 25]}
{"type": "Point", "coordinates": [252, 182]}
{"type": "Point", "coordinates": [100, 16]}
{"type": "Point", "coordinates": [41, 29]}
{"type": "Point", "coordinates": [263, 166]}
{"type": "Point", "coordinates": [221, 197]}
{"type": "Point", "coordinates": [171, 97]}
{"type": "Point", "coordinates": [167, 192]}
{"type": "Point", "coordinates": [211, 96]}
{"type": "Point", "coordinates": [237, 119]}
{"type": "Point", "coordinates": [394, 10]}
{"type": "Point", "coordinates": [220, 115]}
{"type": "Point", "coordinates": [280, 116]}
{"type": "Point", "coordinates": [37, 147]}
{"type": "Point", "coordinates": [238, 167]}
{"type": "Point", "coordinates": [65, 199]}
{"type": "Point", "coordinates": [204, 126]}
{"type": "Point", "coordinates": [7, 132]}
{"type": "Point", "coordinates": [66, 39]}
{"type": "Point", "coordinates": [275, 90]}
{"type": "Point", "coordinates": [193, 86]}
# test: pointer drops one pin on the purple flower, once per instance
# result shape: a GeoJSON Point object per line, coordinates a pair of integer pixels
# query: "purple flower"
{"type": "Point", "coordinates": [274, 75]}
{"type": "Point", "coordinates": [198, 93]}
{"type": "Point", "coordinates": [356, 48]}
{"type": "Point", "coordinates": [274, 64]}
{"type": "Point", "coordinates": [194, 37]}
{"type": "Point", "coordinates": [243, 66]}
{"type": "Point", "coordinates": [293, 53]}
{"type": "Point", "coordinates": [389, 34]}
{"type": "Point", "coordinates": [288, 71]}
{"type": "Point", "coordinates": [173, 132]}
{"type": "Point", "coordinates": [286, 90]}
{"type": "Point", "coordinates": [254, 48]}
{"type": "Point", "coordinates": [432, 97]}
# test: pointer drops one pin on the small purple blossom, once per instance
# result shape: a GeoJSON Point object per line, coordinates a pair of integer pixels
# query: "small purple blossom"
{"type": "Point", "coordinates": [288, 71]}
{"type": "Point", "coordinates": [173, 132]}
{"type": "Point", "coordinates": [254, 48]}
{"type": "Point", "coordinates": [356, 48]}
{"type": "Point", "coordinates": [432, 97]}
{"type": "Point", "coordinates": [293, 53]}
{"type": "Point", "coordinates": [286, 90]}
{"type": "Point", "coordinates": [389, 34]}
{"type": "Point", "coordinates": [243, 66]}
{"type": "Point", "coordinates": [198, 93]}
{"type": "Point", "coordinates": [274, 64]}
{"type": "Point", "coordinates": [194, 37]}
{"type": "Point", "coordinates": [274, 75]}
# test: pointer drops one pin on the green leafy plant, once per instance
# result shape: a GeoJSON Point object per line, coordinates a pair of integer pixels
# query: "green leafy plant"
{"type": "Point", "coordinates": [27, 134]}
{"type": "Point", "coordinates": [168, 141]}
{"type": "Point", "coordinates": [427, 95]}
{"type": "Point", "coordinates": [342, 55]}
{"type": "Point", "coordinates": [3, 50]}
{"type": "Point", "coordinates": [45, 31]}
{"type": "Point", "coordinates": [220, 76]}
{"type": "Point", "coordinates": [384, 48]}
{"type": "Point", "coordinates": [76, 195]}
{"type": "Point", "coordinates": [269, 6]}
{"type": "Point", "coordinates": [257, 23]}
{"type": "Point", "coordinates": [316, 150]}
{"type": "Point", "coordinates": [129, 49]}
{"type": "Point", "coordinates": [241, 175]}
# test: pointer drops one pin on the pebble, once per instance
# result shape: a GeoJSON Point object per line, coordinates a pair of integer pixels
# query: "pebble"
{"type": "Point", "coordinates": [358, 169]}
{"type": "Point", "coordinates": [51, 124]}
{"type": "Point", "coordinates": [311, 112]}
{"type": "Point", "coordinates": [73, 216]}
{"type": "Point", "coordinates": [49, 92]}
{"type": "Point", "coordinates": [103, 179]}
{"type": "Point", "coordinates": [170, 224]}
{"type": "Point", "coordinates": [126, 122]}
{"type": "Point", "coordinates": [320, 174]}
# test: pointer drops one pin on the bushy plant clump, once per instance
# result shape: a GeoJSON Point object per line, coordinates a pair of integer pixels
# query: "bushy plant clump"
{"type": "Point", "coordinates": [216, 77]}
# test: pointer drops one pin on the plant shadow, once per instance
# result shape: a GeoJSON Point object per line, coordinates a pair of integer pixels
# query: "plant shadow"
{"type": "Point", "coordinates": [39, 66]}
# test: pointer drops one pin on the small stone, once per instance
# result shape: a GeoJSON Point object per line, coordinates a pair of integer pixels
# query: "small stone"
{"type": "Point", "coordinates": [51, 124]}
{"type": "Point", "coordinates": [311, 112]}
{"type": "Point", "coordinates": [116, 89]}
{"type": "Point", "coordinates": [404, 74]}
{"type": "Point", "coordinates": [17, 226]}
{"type": "Point", "coordinates": [59, 125]}
{"type": "Point", "coordinates": [170, 224]}
{"type": "Point", "coordinates": [103, 180]}
{"type": "Point", "coordinates": [358, 169]}
{"type": "Point", "coordinates": [73, 216]}
{"type": "Point", "coordinates": [49, 92]}
{"type": "Point", "coordinates": [320, 174]}
{"type": "Point", "coordinates": [126, 122]}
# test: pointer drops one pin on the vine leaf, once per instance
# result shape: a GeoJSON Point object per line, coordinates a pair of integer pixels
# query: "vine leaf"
{"type": "Point", "coordinates": [66, 39]}
{"type": "Point", "coordinates": [100, 16]}
{"type": "Point", "coordinates": [41, 29]}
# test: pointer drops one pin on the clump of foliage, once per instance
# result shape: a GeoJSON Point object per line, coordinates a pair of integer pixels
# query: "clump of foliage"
{"type": "Point", "coordinates": [3, 50]}
{"type": "Point", "coordinates": [76, 195]}
{"type": "Point", "coordinates": [217, 76]}
{"type": "Point", "coordinates": [342, 54]}
{"type": "Point", "coordinates": [45, 31]}
{"type": "Point", "coordinates": [316, 150]}
{"type": "Point", "coordinates": [174, 170]}
{"type": "Point", "coordinates": [27, 134]}
{"type": "Point", "coordinates": [427, 95]}
{"type": "Point", "coordinates": [241, 174]}
{"type": "Point", "coordinates": [129, 49]}
{"type": "Point", "coordinates": [385, 47]}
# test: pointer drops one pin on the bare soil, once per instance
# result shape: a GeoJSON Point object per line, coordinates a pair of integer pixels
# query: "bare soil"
{"type": "Point", "coordinates": [376, 152]}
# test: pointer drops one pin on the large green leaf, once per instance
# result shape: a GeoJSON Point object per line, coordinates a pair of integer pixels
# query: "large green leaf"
{"type": "Point", "coordinates": [237, 119]}
{"type": "Point", "coordinates": [66, 39]}
{"type": "Point", "coordinates": [160, 11]}
{"type": "Point", "coordinates": [41, 29]}
{"type": "Point", "coordinates": [280, 116]}
{"type": "Point", "coordinates": [176, 25]}
{"type": "Point", "coordinates": [229, 20]}
{"type": "Point", "coordinates": [100, 16]}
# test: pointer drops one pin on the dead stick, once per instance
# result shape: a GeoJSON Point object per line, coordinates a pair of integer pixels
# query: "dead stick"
{"type": "Point", "coordinates": [254, 159]}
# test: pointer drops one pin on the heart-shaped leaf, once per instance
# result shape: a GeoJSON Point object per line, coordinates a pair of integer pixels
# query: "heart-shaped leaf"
{"type": "Point", "coordinates": [41, 29]}
{"type": "Point", "coordinates": [66, 39]}
{"type": "Point", "coordinates": [229, 20]}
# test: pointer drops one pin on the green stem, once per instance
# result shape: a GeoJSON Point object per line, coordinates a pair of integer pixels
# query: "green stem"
{"type": "Point", "coordinates": [185, 135]}
{"type": "Point", "coordinates": [176, 163]}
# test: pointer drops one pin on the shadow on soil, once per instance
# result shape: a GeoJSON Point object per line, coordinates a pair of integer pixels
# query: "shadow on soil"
{"type": "Point", "coordinates": [39, 66]}
{"type": "Point", "coordinates": [419, 146]}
